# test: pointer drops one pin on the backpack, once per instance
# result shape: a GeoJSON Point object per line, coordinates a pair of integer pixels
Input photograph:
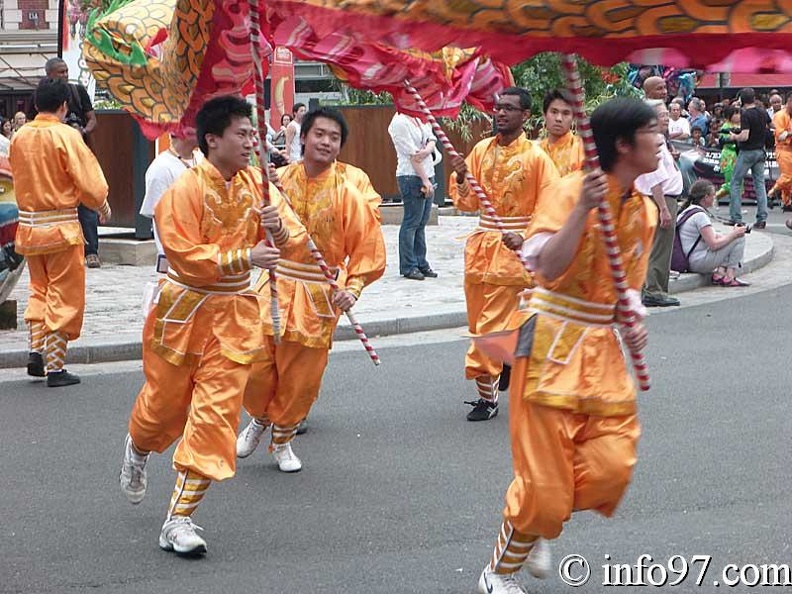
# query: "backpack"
{"type": "Point", "coordinates": [679, 259]}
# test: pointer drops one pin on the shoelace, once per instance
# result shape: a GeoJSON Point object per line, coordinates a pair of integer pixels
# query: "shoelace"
{"type": "Point", "coordinates": [478, 402]}
{"type": "Point", "coordinates": [512, 586]}
{"type": "Point", "coordinates": [185, 522]}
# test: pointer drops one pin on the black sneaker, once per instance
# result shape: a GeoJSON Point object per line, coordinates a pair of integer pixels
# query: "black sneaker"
{"type": "Point", "coordinates": [414, 274]}
{"type": "Point", "coordinates": [483, 410]}
{"type": "Point", "coordinates": [35, 365]}
{"type": "Point", "coordinates": [58, 379]}
{"type": "Point", "coordinates": [428, 273]}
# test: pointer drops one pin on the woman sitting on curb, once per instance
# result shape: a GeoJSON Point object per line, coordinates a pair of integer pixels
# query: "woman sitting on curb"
{"type": "Point", "coordinates": [721, 253]}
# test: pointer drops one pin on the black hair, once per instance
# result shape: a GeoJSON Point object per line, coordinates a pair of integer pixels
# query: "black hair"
{"type": "Point", "coordinates": [215, 117]}
{"type": "Point", "coordinates": [617, 119]}
{"type": "Point", "coordinates": [730, 111]}
{"type": "Point", "coordinates": [747, 95]}
{"type": "Point", "coordinates": [51, 94]}
{"type": "Point", "coordinates": [557, 94]}
{"type": "Point", "coordinates": [296, 108]}
{"type": "Point", "coordinates": [700, 189]}
{"type": "Point", "coordinates": [522, 94]}
{"type": "Point", "coordinates": [324, 112]}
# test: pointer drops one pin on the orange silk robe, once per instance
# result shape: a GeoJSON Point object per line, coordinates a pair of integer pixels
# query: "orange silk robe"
{"type": "Point", "coordinates": [207, 231]}
{"type": "Point", "coordinates": [782, 122]}
{"type": "Point", "coordinates": [346, 229]}
{"type": "Point", "coordinates": [360, 179]}
{"type": "Point", "coordinates": [512, 177]}
{"type": "Point", "coordinates": [567, 154]}
{"type": "Point", "coordinates": [53, 170]}
{"type": "Point", "coordinates": [575, 364]}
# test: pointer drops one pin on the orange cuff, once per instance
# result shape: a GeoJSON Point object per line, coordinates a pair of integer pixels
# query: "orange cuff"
{"type": "Point", "coordinates": [234, 262]}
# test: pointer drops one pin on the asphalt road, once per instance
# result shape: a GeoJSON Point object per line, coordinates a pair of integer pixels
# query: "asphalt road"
{"type": "Point", "coordinates": [399, 493]}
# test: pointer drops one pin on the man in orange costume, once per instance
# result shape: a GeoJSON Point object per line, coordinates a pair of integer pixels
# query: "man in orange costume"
{"type": "Point", "coordinates": [54, 171]}
{"type": "Point", "coordinates": [563, 147]}
{"type": "Point", "coordinates": [343, 223]}
{"type": "Point", "coordinates": [204, 333]}
{"type": "Point", "coordinates": [512, 170]}
{"type": "Point", "coordinates": [572, 411]}
{"type": "Point", "coordinates": [782, 124]}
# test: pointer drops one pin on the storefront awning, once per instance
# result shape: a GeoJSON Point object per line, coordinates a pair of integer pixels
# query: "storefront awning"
{"type": "Point", "coordinates": [21, 72]}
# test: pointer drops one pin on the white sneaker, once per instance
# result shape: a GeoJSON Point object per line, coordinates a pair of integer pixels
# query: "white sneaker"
{"type": "Point", "coordinates": [178, 535]}
{"type": "Point", "coordinates": [133, 473]}
{"type": "Point", "coordinates": [539, 560]}
{"type": "Point", "coordinates": [495, 583]}
{"type": "Point", "coordinates": [248, 440]}
{"type": "Point", "coordinates": [286, 458]}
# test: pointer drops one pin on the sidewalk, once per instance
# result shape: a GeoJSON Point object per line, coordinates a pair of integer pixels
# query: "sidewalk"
{"type": "Point", "coordinates": [393, 305]}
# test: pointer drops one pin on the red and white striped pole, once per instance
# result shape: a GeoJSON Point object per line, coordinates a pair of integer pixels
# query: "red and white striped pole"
{"type": "Point", "coordinates": [320, 261]}
{"type": "Point", "coordinates": [605, 217]}
{"type": "Point", "coordinates": [261, 117]}
{"type": "Point", "coordinates": [472, 181]}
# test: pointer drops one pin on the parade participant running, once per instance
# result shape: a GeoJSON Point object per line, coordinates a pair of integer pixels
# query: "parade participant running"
{"type": "Point", "coordinates": [205, 331]}
{"type": "Point", "coordinates": [54, 171]}
{"type": "Point", "coordinates": [343, 224]}
{"type": "Point", "coordinates": [512, 170]}
{"type": "Point", "coordinates": [563, 147]}
{"type": "Point", "coordinates": [572, 409]}
{"type": "Point", "coordinates": [782, 122]}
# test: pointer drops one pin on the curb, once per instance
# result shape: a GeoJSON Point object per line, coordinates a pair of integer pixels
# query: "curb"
{"type": "Point", "coordinates": [129, 347]}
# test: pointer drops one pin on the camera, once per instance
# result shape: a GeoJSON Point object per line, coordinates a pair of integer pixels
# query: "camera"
{"type": "Point", "coordinates": [73, 120]}
{"type": "Point", "coordinates": [747, 227]}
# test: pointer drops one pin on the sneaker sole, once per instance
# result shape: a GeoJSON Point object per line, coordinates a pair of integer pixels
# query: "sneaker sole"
{"type": "Point", "coordinates": [134, 497]}
{"type": "Point", "coordinates": [194, 552]}
{"type": "Point", "coordinates": [492, 416]}
{"type": "Point", "coordinates": [245, 454]}
{"type": "Point", "coordinates": [290, 470]}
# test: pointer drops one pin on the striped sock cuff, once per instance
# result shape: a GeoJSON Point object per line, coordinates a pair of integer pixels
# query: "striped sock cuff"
{"type": "Point", "coordinates": [37, 336]}
{"type": "Point", "coordinates": [55, 348]}
{"type": "Point", "coordinates": [487, 387]}
{"type": "Point", "coordinates": [511, 550]}
{"type": "Point", "coordinates": [187, 493]}
{"type": "Point", "coordinates": [283, 434]}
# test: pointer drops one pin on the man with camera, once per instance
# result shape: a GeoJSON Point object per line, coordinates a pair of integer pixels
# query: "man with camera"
{"type": "Point", "coordinates": [82, 117]}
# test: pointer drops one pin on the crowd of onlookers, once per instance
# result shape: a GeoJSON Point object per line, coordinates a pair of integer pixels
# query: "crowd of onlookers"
{"type": "Point", "coordinates": [10, 125]}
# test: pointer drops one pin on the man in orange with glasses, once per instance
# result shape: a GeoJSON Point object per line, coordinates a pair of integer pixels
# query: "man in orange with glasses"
{"type": "Point", "coordinates": [512, 170]}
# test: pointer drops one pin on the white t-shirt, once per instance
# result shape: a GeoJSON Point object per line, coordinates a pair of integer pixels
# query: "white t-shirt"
{"type": "Point", "coordinates": [677, 126]}
{"type": "Point", "coordinates": [163, 171]}
{"type": "Point", "coordinates": [691, 229]}
{"type": "Point", "coordinates": [667, 175]}
{"type": "Point", "coordinates": [295, 148]}
{"type": "Point", "coordinates": [410, 135]}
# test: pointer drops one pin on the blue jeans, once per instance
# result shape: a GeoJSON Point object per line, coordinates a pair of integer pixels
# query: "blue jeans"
{"type": "Point", "coordinates": [89, 221]}
{"type": "Point", "coordinates": [753, 160]}
{"type": "Point", "coordinates": [412, 239]}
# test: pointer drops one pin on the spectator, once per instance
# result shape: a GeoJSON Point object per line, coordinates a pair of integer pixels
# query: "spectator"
{"type": "Point", "coordinates": [293, 143]}
{"type": "Point", "coordinates": [717, 111]}
{"type": "Point", "coordinates": [20, 119]}
{"type": "Point", "coordinates": [655, 87]}
{"type": "Point", "coordinates": [776, 104]}
{"type": "Point", "coordinates": [728, 150]}
{"type": "Point", "coordinates": [279, 140]}
{"type": "Point", "coordinates": [82, 117]}
{"type": "Point", "coordinates": [697, 116]}
{"type": "Point", "coordinates": [414, 143]}
{"type": "Point", "coordinates": [7, 128]}
{"type": "Point", "coordinates": [752, 155]}
{"type": "Point", "coordinates": [678, 127]}
{"type": "Point", "coordinates": [664, 186]}
{"type": "Point", "coordinates": [697, 136]}
{"type": "Point", "coordinates": [718, 254]}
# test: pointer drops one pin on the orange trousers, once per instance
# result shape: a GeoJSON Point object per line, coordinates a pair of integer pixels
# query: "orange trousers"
{"type": "Point", "coordinates": [57, 291]}
{"type": "Point", "coordinates": [199, 401]}
{"type": "Point", "coordinates": [784, 182]}
{"type": "Point", "coordinates": [285, 384]}
{"type": "Point", "coordinates": [489, 309]}
{"type": "Point", "coordinates": [564, 462]}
